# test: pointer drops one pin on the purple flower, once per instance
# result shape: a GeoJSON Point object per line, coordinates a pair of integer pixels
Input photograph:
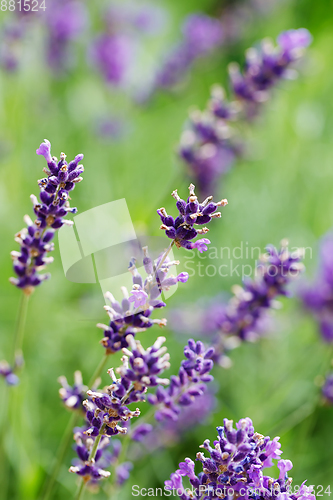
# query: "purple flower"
{"type": "Point", "coordinates": [245, 316]}
{"type": "Point", "coordinates": [191, 213]}
{"type": "Point", "coordinates": [107, 413]}
{"type": "Point", "coordinates": [72, 397]}
{"type": "Point", "coordinates": [294, 39]}
{"type": "Point", "coordinates": [235, 465]}
{"type": "Point", "coordinates": [318, 295]}
{"type": "Point", "coordinates": [284, 466]}
{"type": "Point", "coordinates": [132, 315]}
{"type": "Point", "coordinates": [201, 35]}
{"type": "Point", "coordinates": [45, 150]}
{"type": "Point", "coordinates": [328, 388]}
{"type": "Point", "coordinates": [141, 431]}
{"type": "Point", "coordinates": [66, 20]}
{"type": "Point", "coordinates": [139, 296]}
{"type": "Point", "coordinates": [112, 55]}
{"type": "Point", "coordinates": [8, 373]}
{"type": "Point", "coordinates": [50, 211]}
{"type": "Point", "coordinates": [201, 245]}
{"type": "Point", "coordinates": [187, 386]}
{"type": "Point", "coordinates": [210, 144]}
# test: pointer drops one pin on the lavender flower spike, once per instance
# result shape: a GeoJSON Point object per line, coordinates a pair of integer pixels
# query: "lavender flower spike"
{"type": "Point", "coordinates": [132, 315]}
{"type": "Point", "coordinates": [181, 230]}
{"type": "Point", "coordinates": [188, 385]}
{"type": "Point", "coordinates": [327, 389]}
{"type": "Point", "coordinates": [50, 211]}
{"type": "Point", "coordinates": [106, 412]}
{"type": "Point", "coordinates": [318, 296]}
{"type": "Point", "coordinates": [235, 468]}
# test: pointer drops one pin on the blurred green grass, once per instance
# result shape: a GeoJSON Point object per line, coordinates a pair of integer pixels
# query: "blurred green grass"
{"type": "Point", "coordinates": [284, 190]}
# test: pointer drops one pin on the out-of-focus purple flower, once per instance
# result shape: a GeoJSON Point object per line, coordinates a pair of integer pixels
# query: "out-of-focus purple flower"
{"type": "Point", "coordinates": [294, 39]}
{"type": "Point", "coordinates": [66, 20]}
{"type": "Point", "coordinates": [123, 472]}
{"type": "Point", "coordinates": [210, 144]}
{"type": "Point", "coordinates": [141, 431]}
{"type": "Point", "coordinates": [112, 55]}
{"type": "Point", "coordinates": [201, 35]}
{"type": "Point", "coordinates": [50, 210]}
{"type": "Point", "coordinates": [7, 372]}
{"type": "Point", "coordinates": [189, 384]}
{"type": "Point", "coordinates": [181, 230]}
{"type": "Point", "coordinates": [318, 295]}
{"type": "Point", "coordinates": [245, 316]}
{"type": "Point", "coordinates": [132, 315]}
{"type": "Point", "coordinates": [235, 467]}
{"type": "Point", "coordinates": [266, 66]}
{"type": "Point", "coordinates": [72, 396]}
{"type": "Point", "coordinates": [328, 389]}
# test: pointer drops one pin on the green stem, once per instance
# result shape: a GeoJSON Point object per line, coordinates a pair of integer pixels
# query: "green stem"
{"type": "Point", "coordinates": [21, 322]}
{"type": "Point", "coordinates": [67, 436]}
{"type": "Point", "coordinates": [80, 491]}
{"type": "Point", "coordinates": [98, 370]}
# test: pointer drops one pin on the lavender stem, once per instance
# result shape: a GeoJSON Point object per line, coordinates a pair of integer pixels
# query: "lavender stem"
{"type": "Point", "coordinates": [21, 322]}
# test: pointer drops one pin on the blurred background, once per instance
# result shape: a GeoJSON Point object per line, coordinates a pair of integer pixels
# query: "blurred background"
{"type": "Point", "coordinates": [57, 82]}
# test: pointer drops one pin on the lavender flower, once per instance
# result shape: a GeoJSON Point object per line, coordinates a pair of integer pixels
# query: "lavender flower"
{"type": "Point", "coordinates": [91, 470]}
{"type": "Point", "coordinates": [265, 66]}
{"type": "Point", "coordinates": [65, 21]}
{"type": "Point", "coordinates": [7, 372]}
{"type": "Point", "coordinates": [107, 412]}
{"type": "Point", "coordinates": [50, 211]}
{"type": "Point", "coordinates": [72, 397]}
{"type": "Point", "coordinates": [201, 35]}
{"type": "Point", "coordinates": [181, 230]}
{"type": "Point", "coordinates": [245, 316]}
{"type": "Point", "coordinates": [112, 54]}
{"type": "Point", "coordinates": [327, 389]}
{"type": "Point", "coordinates": [235, 468]}
{"type": "Point", "coordinates": [210, 144]}
{"type": "Point", "coordinates": [133, 314]}
{"type": "Point", "coordinates": [189, 384]}
{"type": "Point", "coordinates": [318, 296]}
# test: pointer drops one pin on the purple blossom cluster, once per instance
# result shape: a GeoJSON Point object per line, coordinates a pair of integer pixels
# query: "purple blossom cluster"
{"type": "Point", "coordinates": [133, 314]}
{"type": "Point", "coordinates": [181, 229]}
{"type": "Point", "coordinates": [107, 412]}
{"type": "Point", "coordinates": [318, 296]}
{"type": "Point", "coordinates": [245, 316]}
{"type": "Point", "coordinates": [327, 389]}
{"type": "Point", "coordinates": [202, 34]}
{"type": "Point", "coordinates": [114, 50]}
{"type": "Point", "coordinates": [190, 383]}
{"type": "Point", "coordinates": [210, 143]}
{"type": "Point", "coordinates": [50, 211]}
{"type": "Point", "coordinates": [235, 468]}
